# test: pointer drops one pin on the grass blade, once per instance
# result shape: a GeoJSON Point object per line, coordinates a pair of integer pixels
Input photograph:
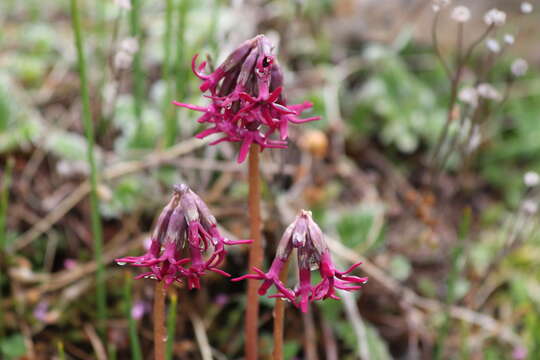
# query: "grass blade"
{"type": "Point", "coordinates": [171, 326]}
{"type": "Point", "coordinates": [138, 76]}
{"type": "Point", "coordinates": [4, 200]}
{"type": "Point", "coordinates": [136, 352]}
{"type": "Point", "coordinates": [171, 127]}
{"type": "Point", "coordinates": [89, 133]}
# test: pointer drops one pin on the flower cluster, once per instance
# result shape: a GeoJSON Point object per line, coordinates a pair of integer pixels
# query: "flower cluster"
{"type": "Point", "coordinates": [247, 101]}
{"type": "Point", "coordinates": [184, 232]}
{"type": "Point", "coordinates": [313, 253]}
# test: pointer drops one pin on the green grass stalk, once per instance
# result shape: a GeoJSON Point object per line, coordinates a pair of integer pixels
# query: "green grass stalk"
{"type": "Point", "coordinates": [60, 349]}
{"type": "Point", "coordinates": [180, 64]}
{"type": "Point", "coordinates": [4, 201]}
{"type": "Point", "coordinates": [171, 127]}
{"type": "Point", "coordinates": [213, 28]}
{"type": "Point", "coordinates": [138, 76]}
{"type": "Point", "coordinates": [89, 133]}
{"type": "Point", "coordinates": [171, 327]}
{"type": "Point", "coordinates": [136, 352]}
{"type": "Point", "coordinates": [453, 276]}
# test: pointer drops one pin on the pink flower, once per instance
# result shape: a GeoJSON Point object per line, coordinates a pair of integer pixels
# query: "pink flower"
{"type": "Point", "coordinates": [313, 253]}
{"type": "Point", "coordinates": [247, 104]}
{"type": "Point", "coordinates": [185, 231]}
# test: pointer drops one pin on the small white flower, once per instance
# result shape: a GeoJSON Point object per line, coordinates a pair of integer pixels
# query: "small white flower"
{"type": "Point", "coordinates": [124, 4]}
{"type": "Point", "coordinates": [129, 45]}
{"type": "Point", "coordinates": [519, 67]}
{"type": "Point", "coordinates": [438, 5]}
{"type": "Point", "coordinates": [493, 45]}
{"type": "Point", "coordinates": [475, 140]}
{"type": "Point", "coordinates": [495, 17]}
{"type": "Point", "coordinates": [531, 178]}
{"type": "Point", "coordinates": [530, 206]}
{"type": "Point", "coordinates": [122, 60]}
{"type": "Point", "coordinates": [488, 91]}
{"type": "Point", "coordinates": [469, 95]}
{"type": "Point", "coordinates": [526, 7]}
{"type": "Point", "coordinates": [509, 39]}
{"type": "Point", "coordinates": [461, 14]}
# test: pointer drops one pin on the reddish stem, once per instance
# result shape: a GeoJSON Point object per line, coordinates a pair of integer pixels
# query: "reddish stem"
{"type": "Point", "coordinates": [279, 318]}
{"type": "Point", "coordinates": [255, 254]}
{"type": "Point", "coordinates": [159, 321]}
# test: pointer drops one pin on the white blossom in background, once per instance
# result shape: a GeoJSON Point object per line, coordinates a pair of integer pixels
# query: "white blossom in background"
{"type": "Point", "coordinates": [531, 178]}
{"type": "Point", "coordinates": [509, 39]}
{"type": "Point", "coordinates": [469, 95]}
{"type": "Point", "coordinates": [461, 14]}
{"type": "Point", "coordinates": [526, 7]}
{"type": "Point", "coordinates": [493, 45]}
{"type": "Point", "coordinates": [124, 4]}
{"type": "Point", "coordinates": [519, 67]}
{"type": "Point", "coordinates": [124, 57]}
{"type": "Point", "coordinates": [129, 45]}
{"type": "Point", "coordinates": [495, 17]}
{"type": "Point", "coordinates": [475, 140]}
{"type": "Point", "coordinates": [530, 207]}
{"type": "Point", "coordinates": [488, 91]}
{"type": "Point", "coordinates": [439, 4]}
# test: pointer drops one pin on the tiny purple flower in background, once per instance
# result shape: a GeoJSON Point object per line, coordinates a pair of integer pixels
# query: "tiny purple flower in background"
{"type": "Point", "coordinates": [41, 310]}
{"type": "Point", "coordinates": [185, 231]}
{"type": "Point", "coordinates": [313, 253]}
{"type": "Point", "coordinates": [139, 309]}
{"type": "Point", "coordinates": [70, 264]}
{"type": "Point", "coordinates": [247, 101]}
{"type": "Point", "coordinates": [519, 353]}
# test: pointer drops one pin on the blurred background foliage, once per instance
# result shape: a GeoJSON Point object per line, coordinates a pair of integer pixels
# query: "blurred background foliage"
{"type": "Point", "coordinates": [371, 72]}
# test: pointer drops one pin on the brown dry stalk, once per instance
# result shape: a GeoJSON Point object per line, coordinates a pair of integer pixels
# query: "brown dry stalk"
{"type": "Point", "coordinates": [279, 318]}
{"type": "Point", "coordinates": [255, 254]}
{"type": "Point", "coordinates": [159, 322]}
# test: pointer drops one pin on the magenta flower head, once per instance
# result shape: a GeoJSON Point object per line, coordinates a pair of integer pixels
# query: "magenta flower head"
{"type": "Point", "coordinates": [247, 104]}
{"type": "Point", "coordinates": [184, 233]}
{"type": "Point", "coordinates": [313, 253]}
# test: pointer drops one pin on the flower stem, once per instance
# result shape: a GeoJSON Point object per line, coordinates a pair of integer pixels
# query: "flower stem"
{"type": "Point", "coordinates": [279, 318]}
{"type": "Point", "coordinates": [89, 133]}
{"type": "Point", "coordinates": [255, 254]}
{"type": "Point", "coordinates": [159, 321]}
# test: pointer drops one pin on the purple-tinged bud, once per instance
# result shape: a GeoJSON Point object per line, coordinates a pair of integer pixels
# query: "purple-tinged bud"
{"type": "Point", "coordinates": [247, 102]}
{"type": "Point", "coordinates": [313, 253]}
{"type": "Point", "coordinates": [184, 233]}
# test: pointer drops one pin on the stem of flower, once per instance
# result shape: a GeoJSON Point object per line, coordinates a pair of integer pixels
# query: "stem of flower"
{"type": "Point", "coordinates": [159, 321]}
{"type": "Point", "coordinates": [255, 254]}
{"type": "Point", "coordinates": [279, 318]}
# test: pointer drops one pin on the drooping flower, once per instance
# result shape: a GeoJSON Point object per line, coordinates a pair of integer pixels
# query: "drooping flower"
{"type": "Point", "coordinates": [247, 104]}
{"type": "Point", "coordinates": [313, 253]}
{"type": "Point", "coordinates": [185, 231]}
